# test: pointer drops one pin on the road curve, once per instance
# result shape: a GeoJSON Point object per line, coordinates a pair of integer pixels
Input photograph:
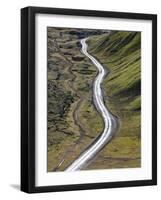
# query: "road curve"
{"type": "Point", "coordinates": [110, 121]}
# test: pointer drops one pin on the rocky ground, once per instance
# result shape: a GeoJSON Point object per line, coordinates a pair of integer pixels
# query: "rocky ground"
{"type": "Point", "coordinates": [73, 122]}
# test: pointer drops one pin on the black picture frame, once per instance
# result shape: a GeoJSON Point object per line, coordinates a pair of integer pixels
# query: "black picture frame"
{"type": "Point", "coordinates": [28, 98]}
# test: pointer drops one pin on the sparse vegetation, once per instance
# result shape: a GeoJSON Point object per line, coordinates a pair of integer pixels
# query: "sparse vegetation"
{"type": "Point", "coordinates": [70, 108]}
{"type": "Point", "coordinates": [120, 52]}
{"type": "Point", "coordinates": [73, 122]}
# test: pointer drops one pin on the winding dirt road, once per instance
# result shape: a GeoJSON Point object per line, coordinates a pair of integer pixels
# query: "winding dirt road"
{"type": "Point", "coordinates": [110, 121]}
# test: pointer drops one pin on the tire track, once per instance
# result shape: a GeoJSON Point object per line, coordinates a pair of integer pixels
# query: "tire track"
{"type": "Point", "coordinates": [82, 132]}
{"type": "Point", "coordinates": [110, 121]}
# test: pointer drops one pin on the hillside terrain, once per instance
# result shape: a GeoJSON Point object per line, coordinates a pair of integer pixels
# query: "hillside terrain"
{"type": "Point", "coordinates": [73, 122]}
{"type": "Point", "coordinates": [120, 52]}
{"type": "Point", "coordinates": [72, 119]}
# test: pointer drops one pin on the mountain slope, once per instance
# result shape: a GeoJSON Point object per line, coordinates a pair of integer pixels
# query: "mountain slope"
{"type": "Point", "coordinates": [120, 52]}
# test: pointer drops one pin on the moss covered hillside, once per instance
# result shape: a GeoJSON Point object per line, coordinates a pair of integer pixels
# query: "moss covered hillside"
{"type": "Point", "coordinates": [120, 52]}
{"type": "Point", "coordinates": [73, 122]}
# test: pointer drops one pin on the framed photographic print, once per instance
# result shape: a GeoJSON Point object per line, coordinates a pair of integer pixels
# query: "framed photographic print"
{"type": "Point", "coordinates": [88, 99]}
